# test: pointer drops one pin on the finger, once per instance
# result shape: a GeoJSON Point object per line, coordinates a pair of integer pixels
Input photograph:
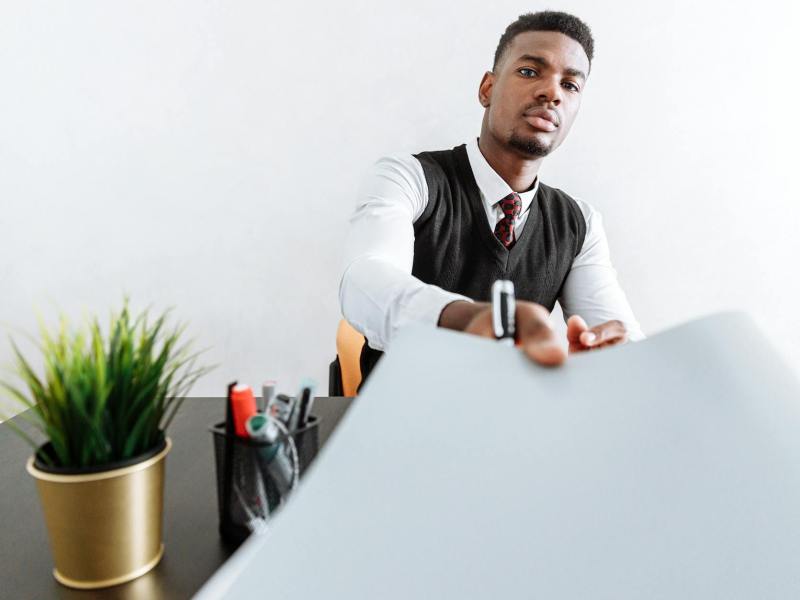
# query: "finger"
{"type": "Point", "coordinates": [610, 332]}
{"type": "Point", "coordinates": [545, 352]}
{"type": "Point", "coordinates": [614, 341]}
{"type": "Point", "coordinates": [577, 346]}
{"type": "Point", "coordinates": [575, 326]}
{"type": "Point", "coordinates": [590, 337]}
{"type": "Point", "coordinates": [536, 336]}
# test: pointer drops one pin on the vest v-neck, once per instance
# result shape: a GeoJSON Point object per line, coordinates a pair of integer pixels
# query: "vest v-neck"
{"type": "Point", "coordinates": [495, 246]}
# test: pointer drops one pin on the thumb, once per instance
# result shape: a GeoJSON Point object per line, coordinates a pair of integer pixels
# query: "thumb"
{"type": "Point", "coordinates": [575, 326]}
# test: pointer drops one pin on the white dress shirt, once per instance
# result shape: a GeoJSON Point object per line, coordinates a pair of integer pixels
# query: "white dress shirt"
{"type": "Point", "coordinates": [377, 292]}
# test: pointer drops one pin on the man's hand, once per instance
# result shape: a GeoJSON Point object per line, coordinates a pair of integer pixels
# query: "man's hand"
{"type": "Point", "coordinates": [581, 337]}
{"type": "Point", "coordinates": [534, 333]}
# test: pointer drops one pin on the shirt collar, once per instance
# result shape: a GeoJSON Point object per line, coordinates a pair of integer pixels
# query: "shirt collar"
{"type": "Point", "coordinates": [493, 187]}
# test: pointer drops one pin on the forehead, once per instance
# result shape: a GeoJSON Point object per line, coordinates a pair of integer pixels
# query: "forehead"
{"type": "Point", "coordinates": [558, 49]}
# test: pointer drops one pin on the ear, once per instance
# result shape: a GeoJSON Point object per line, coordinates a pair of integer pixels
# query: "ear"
{"type": "Point", "coordinates": [485, 89]}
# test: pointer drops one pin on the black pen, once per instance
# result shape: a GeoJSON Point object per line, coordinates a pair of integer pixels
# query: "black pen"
{"type": "Point", "coordinates": [306, 400]}
{"type": "Point", "coordinates": [503, 310]}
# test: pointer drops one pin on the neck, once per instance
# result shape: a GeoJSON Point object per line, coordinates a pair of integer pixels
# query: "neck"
{"type": "Point", "coordinates": [518, 172]}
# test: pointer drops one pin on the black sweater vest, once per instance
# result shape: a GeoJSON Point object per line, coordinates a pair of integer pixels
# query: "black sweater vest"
{"type": "Point", "coordinates": [455, 247]}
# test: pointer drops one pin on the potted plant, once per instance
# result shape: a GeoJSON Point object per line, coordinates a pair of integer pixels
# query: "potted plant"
{"type": "Point", "coordinates": [104, 403]}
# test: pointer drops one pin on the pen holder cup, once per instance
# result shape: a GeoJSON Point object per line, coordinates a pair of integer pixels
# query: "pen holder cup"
{"type": "Point", "coordinates": [254, 477]}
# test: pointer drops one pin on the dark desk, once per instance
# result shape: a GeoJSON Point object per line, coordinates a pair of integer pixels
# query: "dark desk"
{"type": "Point", "coordinates": [193, 548]}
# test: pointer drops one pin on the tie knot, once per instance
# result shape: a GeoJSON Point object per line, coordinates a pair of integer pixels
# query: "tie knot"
{"type": "Point", "coordinates": [511, 205]}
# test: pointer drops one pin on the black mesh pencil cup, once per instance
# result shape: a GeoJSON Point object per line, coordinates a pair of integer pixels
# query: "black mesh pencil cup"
{"type": "Point", "coordinates": [254, 478]}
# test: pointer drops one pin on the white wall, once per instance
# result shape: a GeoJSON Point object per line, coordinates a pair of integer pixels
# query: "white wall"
{"type": "Point", "coordinates": [169, 150]}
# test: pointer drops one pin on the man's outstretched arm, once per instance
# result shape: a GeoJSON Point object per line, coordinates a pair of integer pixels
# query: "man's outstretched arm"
{"type": "Point", "coordinates": [377, 293]}
{"type": "Point", "coordinates": [595, 307]}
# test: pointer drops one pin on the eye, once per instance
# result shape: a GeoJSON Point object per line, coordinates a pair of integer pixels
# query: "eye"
{"type": "Point", "coordinates": [527, 72]}
{"type": "Point", "coordinates": [571, 86]}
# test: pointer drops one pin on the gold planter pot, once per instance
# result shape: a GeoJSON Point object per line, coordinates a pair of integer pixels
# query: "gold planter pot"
{"type": "Point", "coordinates": [105, 527]}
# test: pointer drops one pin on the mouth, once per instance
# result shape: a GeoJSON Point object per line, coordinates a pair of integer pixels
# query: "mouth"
{"type": "Point", "coordinates": [541, 119]}
{"type": "Point", "coordinates": [541, 124]}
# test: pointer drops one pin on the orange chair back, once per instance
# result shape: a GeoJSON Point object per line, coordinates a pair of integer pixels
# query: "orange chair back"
{"type": "Point", "coordinates": [348, 348]}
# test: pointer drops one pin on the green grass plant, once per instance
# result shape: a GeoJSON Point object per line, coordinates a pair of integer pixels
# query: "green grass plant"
{"type": "Point", "coordinates": [103, 399]}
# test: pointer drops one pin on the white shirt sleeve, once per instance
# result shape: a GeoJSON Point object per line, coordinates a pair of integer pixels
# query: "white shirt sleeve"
{"type": "Point", "coordinates": [591, 289]}
{"type": "Point", "coordinates": [377, 293]}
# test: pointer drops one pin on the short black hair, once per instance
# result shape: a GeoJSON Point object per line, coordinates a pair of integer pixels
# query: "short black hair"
{"type": "Point", "coordinates": [547, 20]}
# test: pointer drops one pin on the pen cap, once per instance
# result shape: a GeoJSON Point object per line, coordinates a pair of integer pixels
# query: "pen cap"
{"type": "Point", "coordinates": [262, 428]}
{"type": "Point", "coordinates": [267, 394]}
{"type": "Point", "coordinates": [243, 405]}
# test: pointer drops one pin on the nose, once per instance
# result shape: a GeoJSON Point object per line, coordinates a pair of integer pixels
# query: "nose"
{"type": "Point", "coordinates": [549, 92]}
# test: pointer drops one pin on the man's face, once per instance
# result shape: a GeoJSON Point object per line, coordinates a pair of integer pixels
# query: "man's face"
{"type": "Point", "coordinates": [534, 94]}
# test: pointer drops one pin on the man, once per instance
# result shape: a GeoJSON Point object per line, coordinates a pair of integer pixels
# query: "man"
{"type": "Point", "coordinates": [433, 231]}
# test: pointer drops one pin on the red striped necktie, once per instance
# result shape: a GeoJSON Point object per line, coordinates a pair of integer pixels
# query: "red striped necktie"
{"type": "Point", "coordinates": [511, 206]}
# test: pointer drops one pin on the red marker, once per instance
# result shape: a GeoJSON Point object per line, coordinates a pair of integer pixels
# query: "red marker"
{"type": "Point", "coordinates": [243, 406]}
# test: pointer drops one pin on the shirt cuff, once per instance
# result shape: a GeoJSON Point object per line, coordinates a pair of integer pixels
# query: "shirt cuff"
{"type": "Point", "coordinates": [424, 306]}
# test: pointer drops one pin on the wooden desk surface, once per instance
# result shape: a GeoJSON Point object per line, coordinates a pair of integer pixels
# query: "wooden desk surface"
{"type": "Point", "coordinates": [193, 548]}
